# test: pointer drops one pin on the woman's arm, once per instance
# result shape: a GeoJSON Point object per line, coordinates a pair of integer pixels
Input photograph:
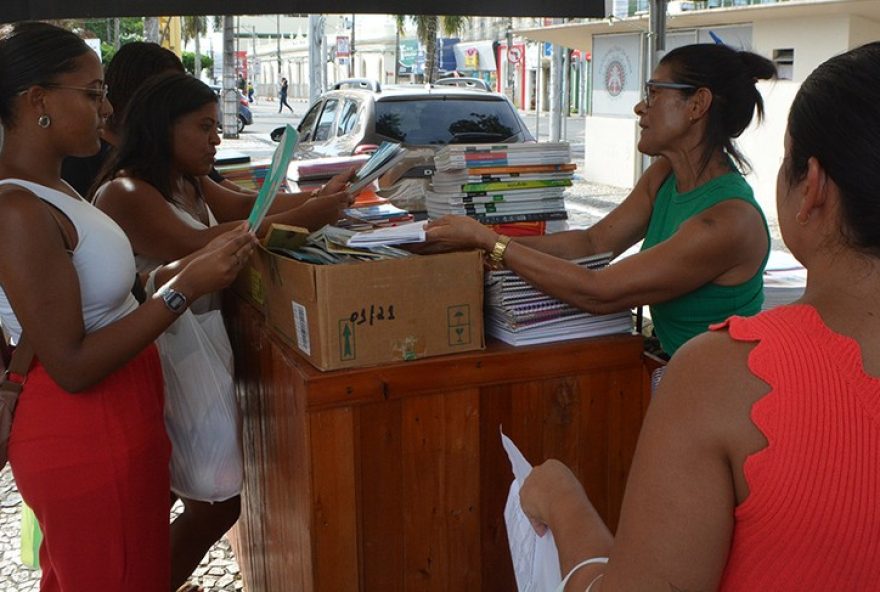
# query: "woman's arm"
{"type": "Point", "coordinates": [676, 522]}
{"type": "Point", "coordinates": [229, 205]}
{"type": "Point", "coordinates": [725, 244]}
{"type": "Point", "coordinates": [43, 288]}
{"type": "Point", "coordinates": [623, 227]}
{"type": "Point", "coordinates": [156, 231]}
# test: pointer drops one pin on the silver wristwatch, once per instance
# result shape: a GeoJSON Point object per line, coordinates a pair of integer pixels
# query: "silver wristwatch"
{"type": "Point", "coordinates": [174, 300]}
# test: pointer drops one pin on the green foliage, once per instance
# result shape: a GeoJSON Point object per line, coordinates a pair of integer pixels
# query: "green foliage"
{"type": "Point", "coordinates": [130, 29]}
{"type": "Point", "coordinates": [189, 62]}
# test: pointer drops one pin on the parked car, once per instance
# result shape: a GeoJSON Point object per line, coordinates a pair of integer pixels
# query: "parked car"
{"type": "Point", "coordinates": [357, 115]}
{"type": "Point", "coordinates": [245, 116]}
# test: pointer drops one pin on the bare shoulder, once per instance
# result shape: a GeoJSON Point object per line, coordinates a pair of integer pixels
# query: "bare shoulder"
{"type": "Point", "coordinates": [27, 227]}
{"type": "Point", "coordinates": [654, 176]}
{"type": "Point", "coordinates": [127, 192]}
{"type": "Point", "coordinates": [710, 376]}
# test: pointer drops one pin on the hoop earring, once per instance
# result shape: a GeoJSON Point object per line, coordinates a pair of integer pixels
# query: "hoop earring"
{"type": "Point", "coordinates": [44, 121]}
{"type": "Point", "coordinates": [802, 219]}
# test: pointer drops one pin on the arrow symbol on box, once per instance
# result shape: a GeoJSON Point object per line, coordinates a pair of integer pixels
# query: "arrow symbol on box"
{"type": "Point", "coordinates": [346, 335]}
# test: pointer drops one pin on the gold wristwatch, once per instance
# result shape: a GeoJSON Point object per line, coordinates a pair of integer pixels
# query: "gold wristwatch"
{"type": "Point", "coordinates": [496, 255]}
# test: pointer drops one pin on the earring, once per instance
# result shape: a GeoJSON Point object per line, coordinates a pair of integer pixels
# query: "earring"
{"type": "Point", "coordinates": [44, 121]}
{"type": "Point", "coordinates": [802, 218]}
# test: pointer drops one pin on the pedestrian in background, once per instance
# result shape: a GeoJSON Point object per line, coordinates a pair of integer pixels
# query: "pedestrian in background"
{"type": "Point", "coordinates": [88, 448]}
{"type": "Point", "coordinates": [250, 92]}
{"type": "Point", "coordinates": [282, 96]}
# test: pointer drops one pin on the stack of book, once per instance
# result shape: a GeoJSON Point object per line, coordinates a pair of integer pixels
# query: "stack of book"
{"type": "Point", "coordinates": [247, 175]}
{"type": "Point", "coordinates": [502, 184]}
{"type": "Point", "coordinates": [520, 314]}
{"type": "Point", "coordinates": [313, 173]}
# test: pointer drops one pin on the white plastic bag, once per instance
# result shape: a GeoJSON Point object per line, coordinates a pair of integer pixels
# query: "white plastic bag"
{"type": "Point", "coordinates": [201, 412]}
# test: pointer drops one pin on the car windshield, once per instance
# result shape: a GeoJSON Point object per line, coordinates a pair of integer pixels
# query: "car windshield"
{"type": "Point", "coordinates": [446, 121]}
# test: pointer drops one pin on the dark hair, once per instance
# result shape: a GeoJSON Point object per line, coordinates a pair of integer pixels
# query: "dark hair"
{"type": "Point", "coordinates": [835, 117]}
{"type": "Point", "coordinates": [145, 151]}
{"type": "Point", "coordinates": [731, 76]}
{"type": "Point", "coordinates": [129, 68]}
{"type": "Point", "coordinates": [31, 54]}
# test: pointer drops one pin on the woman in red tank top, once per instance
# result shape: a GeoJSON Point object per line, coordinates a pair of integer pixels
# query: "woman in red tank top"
{"type": "Point", "coordinates": [758, 465]}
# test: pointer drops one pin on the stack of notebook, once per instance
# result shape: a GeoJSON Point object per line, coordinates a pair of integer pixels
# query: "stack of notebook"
{"type": "Point", "coordinates": [247, 175]}
{"type": "Point", "coordinates": [520, 314]}
{"type": "Point", "coordinates": [313, 173]}
{"type": "Point", "coordinates": [502, 184]}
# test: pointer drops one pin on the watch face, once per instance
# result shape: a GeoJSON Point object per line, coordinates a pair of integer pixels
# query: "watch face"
{"type": "Point", "coordinates": [175, 301]}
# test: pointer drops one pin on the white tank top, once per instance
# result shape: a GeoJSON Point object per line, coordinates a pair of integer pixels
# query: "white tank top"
{"type": "Point", "coordinates": [207, 302]}
{"type": "Point", "coordinates": [102, 258]}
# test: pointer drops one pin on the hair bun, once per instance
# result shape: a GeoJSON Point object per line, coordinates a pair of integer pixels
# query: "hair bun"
{"type": "Point", "coordinates": [758, 67]}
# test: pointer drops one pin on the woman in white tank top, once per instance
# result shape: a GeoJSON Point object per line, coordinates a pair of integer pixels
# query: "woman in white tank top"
{"type": "Point", "coordinates": [88, 438]}
{"type": "Point", "coordinates": [154, 189]}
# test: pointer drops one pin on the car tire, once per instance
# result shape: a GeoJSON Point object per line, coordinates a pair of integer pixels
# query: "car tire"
{"type": "Point", "coordinates": [241, 124]}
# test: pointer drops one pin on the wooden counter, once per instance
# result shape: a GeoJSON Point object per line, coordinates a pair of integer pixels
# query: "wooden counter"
{"type": "Point", "coordinates": [393, 478]}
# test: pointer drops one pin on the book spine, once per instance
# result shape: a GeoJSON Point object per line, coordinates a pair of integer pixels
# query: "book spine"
{"type": "Point", "coordinates": [508, 218]}
{"type": "Point", "coordinates": [508, 185]}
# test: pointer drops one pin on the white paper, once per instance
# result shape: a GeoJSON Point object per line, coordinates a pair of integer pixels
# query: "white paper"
{"type": "Point", "coordinates": [389, 235]}
{"type": "Point", "coordinates": [535, 559]}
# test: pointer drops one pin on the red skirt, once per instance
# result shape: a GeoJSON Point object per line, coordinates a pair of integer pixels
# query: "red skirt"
{"type": "Point", "coordinates": [94, 467]}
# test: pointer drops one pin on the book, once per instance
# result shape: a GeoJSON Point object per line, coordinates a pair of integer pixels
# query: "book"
{"type": "Point", "coordinates": [283, 236]}
{"type": "Point", "coordinates": [390, 235]}
{"type": "Point", "coordinates": [386, 156]}
{"type": "Point", "coordinates": [276, 175]}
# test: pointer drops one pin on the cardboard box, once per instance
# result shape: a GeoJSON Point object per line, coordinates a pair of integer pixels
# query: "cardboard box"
{"type": "Point", "coordinates": [369, 313]}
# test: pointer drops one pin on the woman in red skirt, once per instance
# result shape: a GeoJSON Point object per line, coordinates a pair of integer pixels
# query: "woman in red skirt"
{"type": "Point", "coordinates": [88, 447]}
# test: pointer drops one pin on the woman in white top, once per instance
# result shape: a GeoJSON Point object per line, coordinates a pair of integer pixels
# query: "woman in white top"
{"type": "Point", "coordinates": [88, 438]}
{"type": "Point", "coordinates": [153, 189]}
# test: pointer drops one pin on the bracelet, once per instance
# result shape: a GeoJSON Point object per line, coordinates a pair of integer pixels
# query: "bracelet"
{"type": "Point", "coordinates": [496, 255]}
{"type": "Point", "coordinates": [591, 561]}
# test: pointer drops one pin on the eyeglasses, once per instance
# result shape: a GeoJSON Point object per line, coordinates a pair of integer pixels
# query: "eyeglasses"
{"type": "Point", "coordinates": [651, 87]}
{"type": "Point", "coordinates": [97, 93]}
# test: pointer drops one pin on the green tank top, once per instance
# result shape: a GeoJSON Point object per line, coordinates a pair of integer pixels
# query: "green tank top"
{"type": "Point", "coordinates": [679, 319]}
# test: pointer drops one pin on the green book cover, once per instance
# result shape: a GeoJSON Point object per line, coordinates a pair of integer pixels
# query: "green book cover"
{"type": "Point", "coordinates": [276, 175]}
{"type": "Point", "coordinates": [507, 185]}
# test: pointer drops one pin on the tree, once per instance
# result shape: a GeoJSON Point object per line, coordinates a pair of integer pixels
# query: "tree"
{"type": "Point", "coordinates": [192, 28]}
{"type": "Point", "coordinates": [426, 32]}
{"type": "Point", "coordinates": [188, 59]}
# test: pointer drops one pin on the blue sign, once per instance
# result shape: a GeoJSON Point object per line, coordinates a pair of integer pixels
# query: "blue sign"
{"type": "Point", "coordinates": [446, 54]}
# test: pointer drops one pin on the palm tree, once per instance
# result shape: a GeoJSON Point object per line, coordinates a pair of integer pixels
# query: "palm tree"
{"type": "Point", "coordinates": [191, 28]}
{"type": "Point", "coordinates": [426, 32]}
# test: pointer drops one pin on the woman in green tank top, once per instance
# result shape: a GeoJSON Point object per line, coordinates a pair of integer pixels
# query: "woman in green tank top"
{"type": "Point", "coordinates": [706, 240]}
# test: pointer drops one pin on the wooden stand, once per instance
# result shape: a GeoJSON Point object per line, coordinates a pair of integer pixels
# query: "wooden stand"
{"type": "Point", "coordinates": [394, 478]}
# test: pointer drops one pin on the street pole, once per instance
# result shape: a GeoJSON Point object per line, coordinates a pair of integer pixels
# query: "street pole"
{"type": "Point", "coordinates": [510, 73]}
{"type": "Point", "coordinates": [316, 56]}
{"type": "Point", "coordinates": [396, 55]}
{"type": "Point", "coordinates": [278, 43]}
{"type": "Point", "coordinates": [555, 93]}
{"type": "Point", "coordinates": [351, 49]}
{"type": "Point", "coordinates": [566, 91]}
{"type": "Point", "coordinates": [230, 98]}
{"type": "Point", "coordinates": [539, 91]}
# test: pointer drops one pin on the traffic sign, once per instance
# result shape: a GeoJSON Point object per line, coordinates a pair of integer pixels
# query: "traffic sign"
{"type": "Point", "coordinates": [514, 55]}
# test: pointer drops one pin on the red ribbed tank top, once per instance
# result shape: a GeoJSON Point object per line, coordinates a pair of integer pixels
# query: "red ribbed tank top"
{"type": "Point", "coordinates": [812, 517]}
